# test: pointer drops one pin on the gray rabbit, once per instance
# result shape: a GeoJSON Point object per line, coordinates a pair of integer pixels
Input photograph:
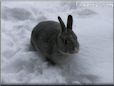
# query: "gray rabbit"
{"type": "Point", "coordinates": [54, 39]}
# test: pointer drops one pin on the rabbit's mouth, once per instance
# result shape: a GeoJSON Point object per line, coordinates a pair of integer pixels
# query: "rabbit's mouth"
{"type": "Point", "coordinates": [65, 53]}
{"type": "Point", "coordinates": [76, 50]}
{"type": "Point", "coordinates": [70, 52]}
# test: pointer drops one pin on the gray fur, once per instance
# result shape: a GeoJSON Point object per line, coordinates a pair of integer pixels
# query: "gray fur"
{"type": "Point", "coordinates": [53, 41]}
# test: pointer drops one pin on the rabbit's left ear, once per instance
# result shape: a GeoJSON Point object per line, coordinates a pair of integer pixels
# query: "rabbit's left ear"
{"type": "Point", "coordinates": [69, 22]}
{"type": "Point", "coordinates": [62, 24]}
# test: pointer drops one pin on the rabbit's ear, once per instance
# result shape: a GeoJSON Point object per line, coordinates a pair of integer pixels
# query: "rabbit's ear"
{"type": "Point", "coordinates": [62, 24]}
{"type": "Point", "coordinates": [69, 22]}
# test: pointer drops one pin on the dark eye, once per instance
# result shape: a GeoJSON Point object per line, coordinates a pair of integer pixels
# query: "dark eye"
{"type": "Point", "coordinates": [65, 41]}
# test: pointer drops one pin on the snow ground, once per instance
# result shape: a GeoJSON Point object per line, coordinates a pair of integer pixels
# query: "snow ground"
{"type": "Point", "coordinates": [93, 26]}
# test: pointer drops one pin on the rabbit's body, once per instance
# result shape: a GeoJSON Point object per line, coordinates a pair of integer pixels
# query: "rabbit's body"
{"type": "Point", "coordinates": [45, 42]}
{"type": "Point", "coordinates": [48, 38]}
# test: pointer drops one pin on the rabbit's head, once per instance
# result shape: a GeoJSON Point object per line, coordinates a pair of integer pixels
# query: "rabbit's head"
{"type": "Point", "coordinates": [67, 40]}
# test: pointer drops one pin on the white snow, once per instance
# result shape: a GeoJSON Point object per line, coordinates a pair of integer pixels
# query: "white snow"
{"type": "Point", "coordinates": [92, 24]}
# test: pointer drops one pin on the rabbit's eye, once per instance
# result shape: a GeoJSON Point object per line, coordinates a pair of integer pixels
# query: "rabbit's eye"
{"type": "Point", "coordinates": [65, 41]}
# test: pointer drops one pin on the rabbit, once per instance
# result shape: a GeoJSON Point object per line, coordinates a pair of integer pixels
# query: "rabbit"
{"type": "Point", "coordinates": [54, 39]}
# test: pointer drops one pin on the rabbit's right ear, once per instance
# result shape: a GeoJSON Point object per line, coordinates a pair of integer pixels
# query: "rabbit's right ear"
{"type": "Point", "coordinates": [69, 22]}
{"type": "Point", "coordinates": [62, 24]}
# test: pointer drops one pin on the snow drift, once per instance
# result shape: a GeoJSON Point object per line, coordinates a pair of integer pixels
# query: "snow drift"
{"type": "Point", "coordinates": [93, 26]}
